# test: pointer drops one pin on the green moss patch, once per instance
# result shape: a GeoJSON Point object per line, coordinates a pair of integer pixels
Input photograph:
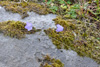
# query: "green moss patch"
{"type": "Point", "coordinates": [82, 37]}
{"type": "Point", "coordinates": [51, 62]}
{"type": "Point", "coordinates": [23, 7]}
{"type": "Point", "coordinates": [15, 29]}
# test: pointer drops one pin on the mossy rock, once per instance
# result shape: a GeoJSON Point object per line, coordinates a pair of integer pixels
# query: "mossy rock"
{"type": "Point", "coordinates": [24, 7]}
{"type": "Point", "coordinates": [60, 38]}
{"type": "Point", "coordinates": [79, 36]}
{"type": "Point", "coordinates": [65, 38]}
{"type": "Point", "coordinates": [15, 29]}
{"type": "Point", "coordinates": [51, 62]}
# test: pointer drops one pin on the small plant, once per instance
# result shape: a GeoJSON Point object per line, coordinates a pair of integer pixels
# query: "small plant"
{"type": "Point", "coordinates": [51, 62]}
{"type": "Point", "coordinates": [53, 5]}
{"type": "Point", "coordinates": [72, 10]}
{"type": "Point", "coordinates": [97, 1]}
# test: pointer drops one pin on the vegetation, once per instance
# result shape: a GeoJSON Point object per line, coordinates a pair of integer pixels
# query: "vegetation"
{"type": "Point", "coordinates": [51, 62]}
{"type": "Point", "coordinates": [23, 7]}
{"type": "Point", "coordinates": [15, 29]}
{"type": "Point", "coordinates": [80, 19]}
{"type": "Point", "coordinates": [81, 22]}
{"type": "Point", "coordinates": [78, 36]}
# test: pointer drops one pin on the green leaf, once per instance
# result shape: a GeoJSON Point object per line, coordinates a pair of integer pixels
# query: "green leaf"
{"type": "Point", "coordinates": [98, 38]}
{"type": "Point", "coordinates": [62, 2]}
{"type": "Point", "coordinates": [74, 15]}
{"type": "Point", "coordinates": [68, 2]}
{"type": "Point", "coordinates": [75, 6]}
{"type": "Point", "coordinates": [43, 0]}
{"type": "Point", "coordinates": [49, 2]}
{"type": "Point", "coordinates": [53, 11]}
{"type": "Point", "coordinates": [54, 8]}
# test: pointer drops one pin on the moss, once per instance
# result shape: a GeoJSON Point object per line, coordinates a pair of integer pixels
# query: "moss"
{"type": "Point", "coordinates": [47, 65]}
{"type": "Point", "coordinates": [65, 38]}
{"type": "Point", "coordinates": [23, 7]}
{"type": "Point", "coordinates": [59, 39]}
{"type": "Point", "coordinates": [82, 37]}
{"type": "Point", "coordinates": [51, 62]}
{"type": "Point", "coordinates": [66, 24]}
{"type": "Point", "coordinates": [15, 29]}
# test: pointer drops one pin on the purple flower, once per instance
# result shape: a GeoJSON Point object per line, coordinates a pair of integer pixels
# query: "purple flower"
{"type": "Point", "coordinates": [59, 28]}
{"type": "Point", "coordinates": [28, 26]}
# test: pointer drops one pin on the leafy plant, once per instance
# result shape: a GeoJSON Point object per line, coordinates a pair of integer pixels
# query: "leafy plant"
{"type": "Point", "coordinates": [72, 10]}
{"type": "Point", "coordinates": [98, 8]}
{"type": "Point", "coordinates": [61, 2]}
{"type": "Point", "coordinates": [69, 2]}
{"type": "Point", "coordinates": [54, 9]}
{"type": "Point", "coordinates": [53, 5]}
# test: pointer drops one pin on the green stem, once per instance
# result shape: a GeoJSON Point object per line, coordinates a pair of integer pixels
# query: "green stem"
{"type": "Point", "coordinates": [97, 1]}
